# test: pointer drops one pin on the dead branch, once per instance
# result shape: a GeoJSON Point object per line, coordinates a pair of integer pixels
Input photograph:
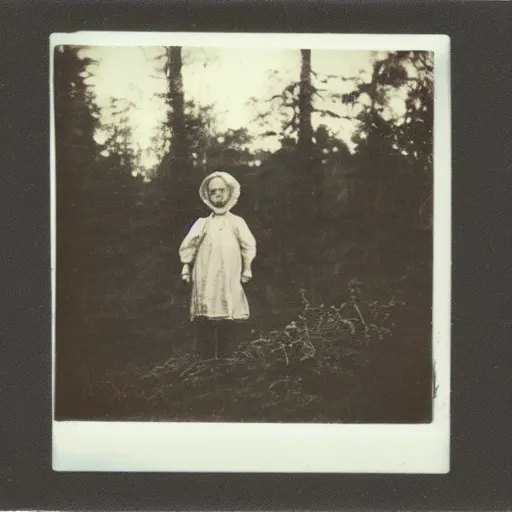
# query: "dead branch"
{"type": "Point", "coordinates": [291, 124]}
{"type": "Point", "coordinates": [275, 97]}
{"type": "Point", "coordinates": [356, 307]}
{"type": "Point", "coordinates": [329, 113]}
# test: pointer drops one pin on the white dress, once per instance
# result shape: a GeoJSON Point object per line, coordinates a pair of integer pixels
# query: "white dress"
{"type": "Point", "coordinates": [220, 247]}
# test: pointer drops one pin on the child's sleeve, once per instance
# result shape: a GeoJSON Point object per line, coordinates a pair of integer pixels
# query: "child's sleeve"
{"type": "Point", "coordinates": [247, 246]}
{"type": "Point", "coordinates": [190, 244]}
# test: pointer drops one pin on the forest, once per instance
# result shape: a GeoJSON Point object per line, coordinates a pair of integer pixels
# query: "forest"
{"type": "Point", "coordinates": [341, 299]}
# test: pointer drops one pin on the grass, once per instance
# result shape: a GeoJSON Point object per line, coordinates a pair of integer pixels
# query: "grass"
{"type": "Point", "coordinates": [317, 368]}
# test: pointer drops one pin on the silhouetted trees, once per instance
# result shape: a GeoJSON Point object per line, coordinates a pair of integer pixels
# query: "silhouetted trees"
{"type": "Point", "coordinates": [76, 151]}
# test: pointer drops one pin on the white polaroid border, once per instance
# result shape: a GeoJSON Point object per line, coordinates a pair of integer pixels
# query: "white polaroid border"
{"type": "Point", "coordinates": [289, 448]}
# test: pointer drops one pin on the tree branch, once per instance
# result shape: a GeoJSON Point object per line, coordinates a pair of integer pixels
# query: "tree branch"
{"type": "Point", "coordinates": [275, 97]}
{"type": "Point", "coordinates": [291, 124]}
{"type": "Point", "coordinates": [329, 113]}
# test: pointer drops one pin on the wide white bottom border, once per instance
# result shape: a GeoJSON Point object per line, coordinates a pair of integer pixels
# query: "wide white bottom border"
{"type": "Point", "coordinates": [253, 448]}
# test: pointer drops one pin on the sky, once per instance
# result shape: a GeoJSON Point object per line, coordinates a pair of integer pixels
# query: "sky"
{"type": "Point", "coordinates": [225, 77]}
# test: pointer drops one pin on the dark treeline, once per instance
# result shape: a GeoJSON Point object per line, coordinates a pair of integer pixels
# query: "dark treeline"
{"type": "Point", "coordinates": [323, 217]}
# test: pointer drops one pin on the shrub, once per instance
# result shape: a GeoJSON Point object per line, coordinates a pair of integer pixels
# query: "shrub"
{"type": "Point", "coordinates": [308, 371]}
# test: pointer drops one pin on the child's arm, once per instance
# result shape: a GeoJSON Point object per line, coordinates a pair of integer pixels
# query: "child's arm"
{"type": "Point", "coordinates": [189, 246]}
{"type": "Point", "coordinates": [247, 247]}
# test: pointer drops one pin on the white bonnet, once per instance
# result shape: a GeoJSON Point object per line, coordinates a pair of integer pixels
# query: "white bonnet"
{"type": "Point", "coordinates": [234, 189]}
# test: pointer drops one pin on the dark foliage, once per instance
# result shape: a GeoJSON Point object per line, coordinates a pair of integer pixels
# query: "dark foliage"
{"type": "Point", "coordinates": [317, 369]}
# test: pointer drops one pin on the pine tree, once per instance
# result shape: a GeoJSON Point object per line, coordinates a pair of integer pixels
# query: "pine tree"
{"type": "Point", "coordinates": [75, 171]}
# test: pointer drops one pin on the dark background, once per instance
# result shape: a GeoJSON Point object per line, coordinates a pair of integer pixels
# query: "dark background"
{"type": "Point", "coordinates": [481, 446]}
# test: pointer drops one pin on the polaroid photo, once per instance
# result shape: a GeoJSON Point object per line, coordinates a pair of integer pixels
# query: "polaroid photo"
{"type": "Point", "coordinates": [251, 252]}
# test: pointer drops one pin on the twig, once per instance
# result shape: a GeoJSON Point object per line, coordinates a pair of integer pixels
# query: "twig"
{"type": "Point", "coordinates": [366, 329]}
{"type": "Point", "coordinates": [275, 97]}
{"type": "Point", "coordinates": [329, 113]}
{"type": "Point", "coordinates": [285, 355]}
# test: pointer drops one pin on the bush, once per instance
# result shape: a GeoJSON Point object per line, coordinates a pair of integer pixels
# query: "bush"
{"type": "Point", "coordinates": [310, 371]}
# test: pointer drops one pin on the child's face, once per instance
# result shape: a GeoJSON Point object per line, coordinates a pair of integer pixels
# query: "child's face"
{"type": "Point", "coordinates": [218, 192]}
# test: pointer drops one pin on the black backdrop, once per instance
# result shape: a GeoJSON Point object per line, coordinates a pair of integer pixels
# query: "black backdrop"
{"type": "Point", "coordinates": [481, 442]}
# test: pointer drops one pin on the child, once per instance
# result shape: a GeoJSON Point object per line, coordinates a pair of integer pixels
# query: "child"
{"type": "Point", "coordinates": [220, 249]}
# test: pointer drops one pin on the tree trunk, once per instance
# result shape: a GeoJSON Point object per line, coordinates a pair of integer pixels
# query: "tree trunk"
{"type": "Point", "coordinates": [305, 104]}
{"type": "Point", "coordinates": [177, 111]}
{"type": "Point", "coordinates": [307, 186]}
{"type": "Point", "coordinates": [179, 189]}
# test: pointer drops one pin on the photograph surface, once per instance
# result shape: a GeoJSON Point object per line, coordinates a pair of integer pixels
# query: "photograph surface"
{"type": "Point", "coordinates": [249, 235]}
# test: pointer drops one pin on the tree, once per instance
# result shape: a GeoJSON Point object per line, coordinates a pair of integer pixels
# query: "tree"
{"type": "Point", "coordinates": [395, 150]}
{"type": "Point", "coordinates": [336, 166]}
{"type": "Point", "coordinates": [98, 231]}
{"type": "Point", "coordinates": [75, 124]}
{"type": "Point", "coordinates": [118, 134]}
{"type": "Point", "coordinates": [296, 105]}
{"type": "Point", "coordinates": [176, 172]}
{"type": "Point", "coordinates": [227, 150]}
{"type": "Point", "coordinates": [176, 112]}
{"type": "Point", "coordinates": [309, 185]}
